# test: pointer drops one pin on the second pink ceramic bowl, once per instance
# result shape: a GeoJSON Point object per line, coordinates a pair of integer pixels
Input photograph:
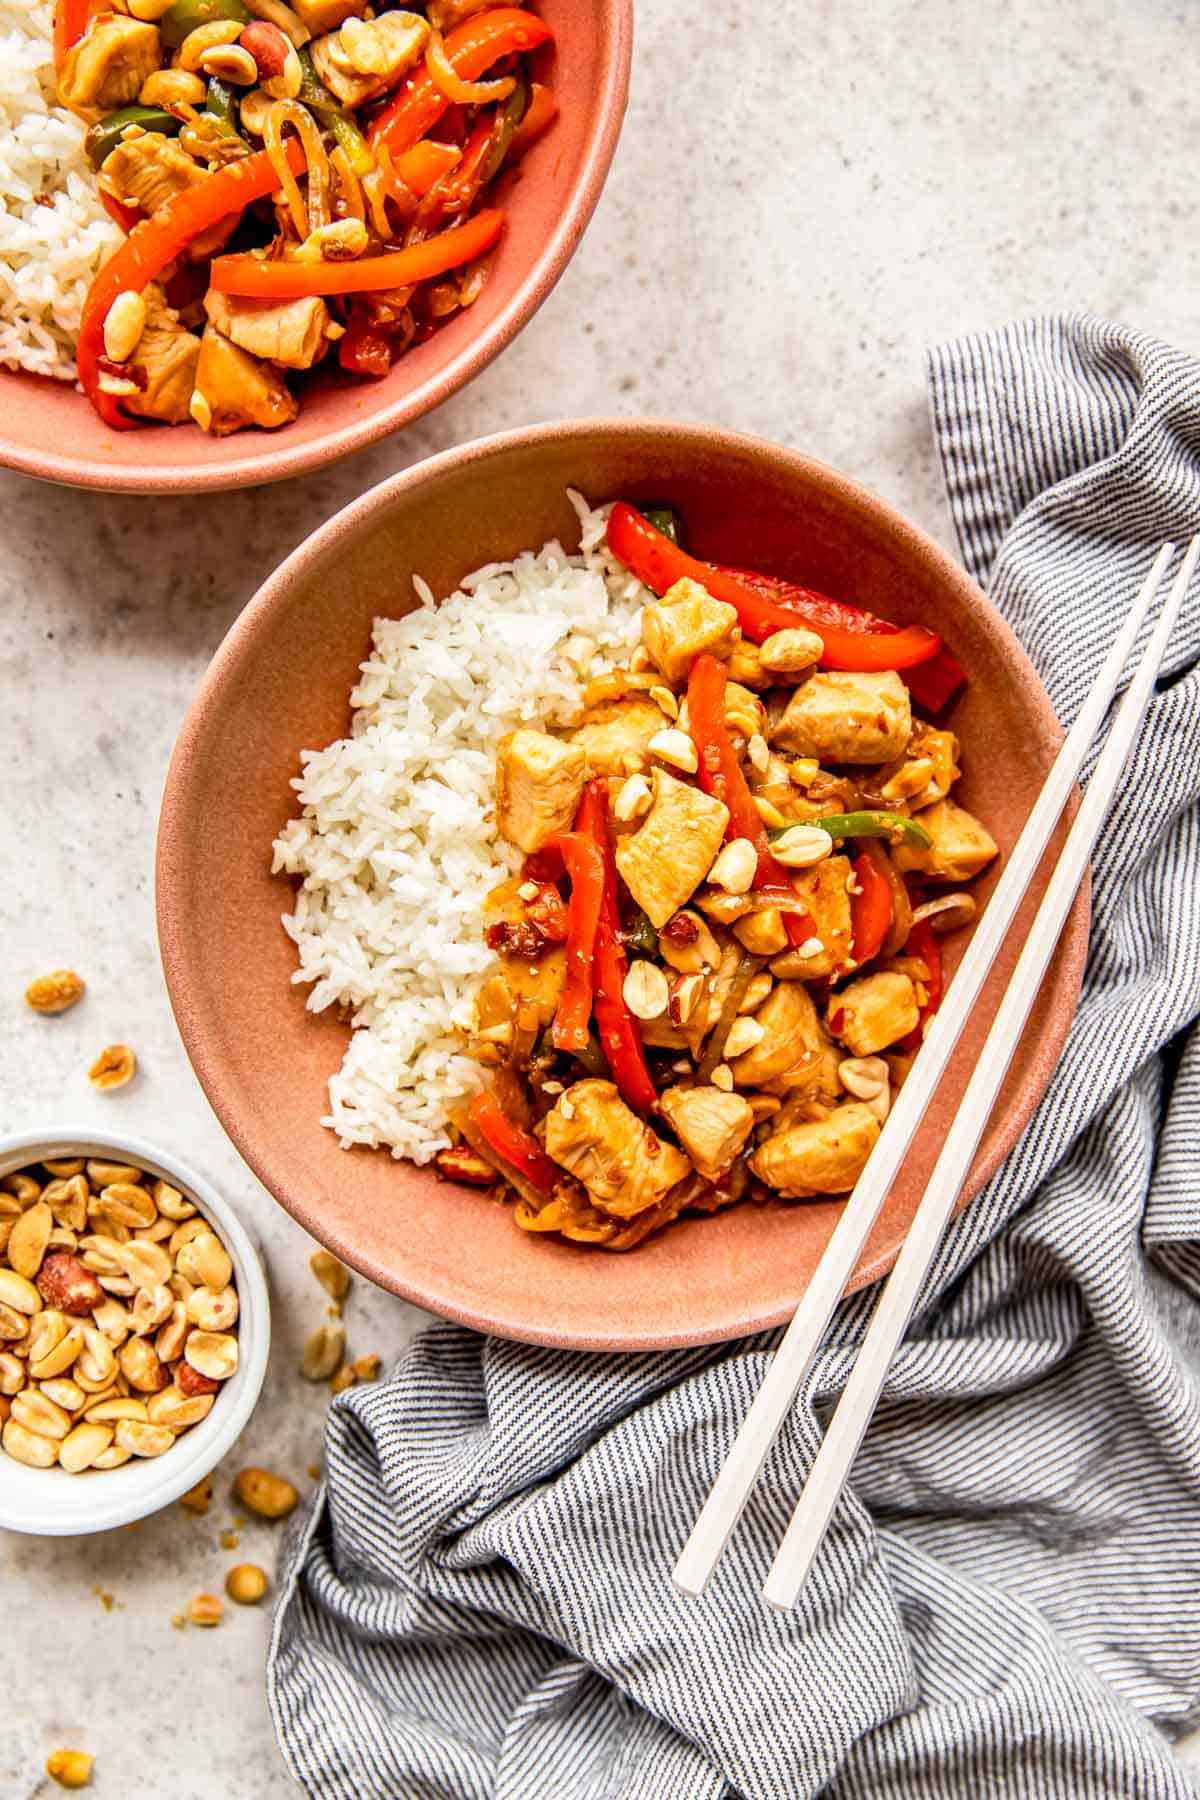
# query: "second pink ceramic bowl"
{"type": "Point", "coordinates": [48, 429]}
{"type": "Point", "coordinates": [281, 681]}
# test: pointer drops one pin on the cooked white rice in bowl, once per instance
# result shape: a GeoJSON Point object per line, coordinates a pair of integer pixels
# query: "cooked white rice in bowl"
{"type": "Point", "coordinates": [396, 845]}
{"type": "Point", "coordinates": [54, 232]}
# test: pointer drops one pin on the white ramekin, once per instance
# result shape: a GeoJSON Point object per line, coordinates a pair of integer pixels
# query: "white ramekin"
{"type": "Point", "coordinates": [52, 1503]}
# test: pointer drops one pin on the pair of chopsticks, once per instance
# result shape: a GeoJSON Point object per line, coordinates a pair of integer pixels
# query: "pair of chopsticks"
{"type": "Point", "coordinates": [792, 1360]}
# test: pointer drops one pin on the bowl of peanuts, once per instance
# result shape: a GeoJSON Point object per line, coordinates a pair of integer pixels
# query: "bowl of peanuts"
{"type": "Point", "coordinates": [134, 1330]}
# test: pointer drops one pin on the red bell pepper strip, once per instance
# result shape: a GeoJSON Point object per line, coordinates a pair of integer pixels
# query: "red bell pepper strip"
{"type": "Point", "coordinates": [472, 48]}
{"type": "Point", "coordinates": [425, 163]}
{"type": "Point", "coordinates": [120, 214]}
{"type": "Point", "coordinates": [619, 1037]}
{"type": "Point", "coordinates": [259, 278]}
{"type": "Point", "coordinates": [584, 862]}
{"type": "Point", "coordinates": [659, 563]}
{"type": "Point", "coordinates": [931, 683]}
{"type": "Point", "coordinates": [922, 942]}
{"type": "Point", "coordinates": [870, 909]}
{"type": "Point", "coordinates": [154, 243]}
{"type": "Point", "coordinates": [513, 1145]}
{"type": "Point", "coordinates": [70, 24]}
{"type": "Point", "coordinates": [720, 774]}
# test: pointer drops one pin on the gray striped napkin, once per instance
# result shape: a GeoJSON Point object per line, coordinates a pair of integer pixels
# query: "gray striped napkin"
{"type": "Point", "coordinates": [480, 1603]}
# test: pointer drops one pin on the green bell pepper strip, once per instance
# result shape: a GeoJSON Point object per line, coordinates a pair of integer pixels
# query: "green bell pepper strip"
{"type": "Point", "coordinates": [509, 117]}
{"type": "Point", "coordinates": [186, 15]}
{"type": "Point", "coordinates": [666, 520]}
{"type": "Point", "coordinates": [894, 826]}
{"type": "Point", "coordinates": [104, 136]}
{"type": "Point", "coordinates": [333, 115]}
{"type": "Point", "coordinates": [222, 105]}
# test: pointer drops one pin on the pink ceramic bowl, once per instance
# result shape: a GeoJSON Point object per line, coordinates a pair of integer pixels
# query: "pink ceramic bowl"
{"type": "Point", "coordinates": [280, 682]}
{"type": "Point", "coordinates": [49, 430]}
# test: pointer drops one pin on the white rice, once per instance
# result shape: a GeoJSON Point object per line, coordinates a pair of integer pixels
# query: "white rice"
{"type": "Point", "coordinates": [54, 233]}
{"type": "Point", "coordinates": [396, 845]}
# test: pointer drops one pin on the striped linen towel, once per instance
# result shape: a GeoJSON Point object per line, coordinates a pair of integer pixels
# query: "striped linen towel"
{"type": "Point", "coordinates": [1009, 1603]}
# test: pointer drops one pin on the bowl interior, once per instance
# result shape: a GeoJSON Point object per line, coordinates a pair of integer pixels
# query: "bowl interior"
{"type": "Point", "coordinates": [52, 1503]}
{"type": "Point", "coordinates": [48, 429]}
{"type": "Point", "coordinates": [280, 682]}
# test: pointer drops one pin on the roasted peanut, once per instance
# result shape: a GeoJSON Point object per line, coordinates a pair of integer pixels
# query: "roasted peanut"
{"type": "Point", "coordinates": [333, 1275]}
{"type": "Point", "coordinates": [115, 1065]}
{"type": "Point", "coordinates": [64, 1167]}
{"type": "Point", "coordinates": [246, 1584]}
{"type": "Point", "coordinates": [129, 1203]}
{"type": "Point", "coordinates": [177, 1409]}
{"type": "Point", "coordinates": [22, 1187]}
{"type": "Point", "coordinates": [80, 1448]}
{"type": "Point", "coordinates": [323, 1353]}
{"type": "Point", "coordinates": [28, 1239]}
{"type": "Point", "coordinates": [205, 1261]}
{"type": "Point", "coordinates": [268, 1495]}
{"type": "Point", "coordinates": [212, 1311]}
{"type": "Point", "coordinates": [344, 1378]}
{"type": "Point", "coordinates": [212, 1353]}
{"type": "Point", "coordinates": [70, 1768]}
{"type": "Point", "coordinates": [103, 1174]}
{"type": "Point", "coordinates": [25, 1446]}
{"type": "Point", "coordinates": [55, 993]}
{"type": "Point", "coordinates": [205, 1609]}
{"type": "Point", "coordinates": [141, 1368]}
{"type": "Point", "coordinates": [143, 1439]}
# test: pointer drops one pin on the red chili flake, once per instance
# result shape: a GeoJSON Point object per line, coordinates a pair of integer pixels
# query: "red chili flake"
{"type": "Point", "coordinates": [681, 930]}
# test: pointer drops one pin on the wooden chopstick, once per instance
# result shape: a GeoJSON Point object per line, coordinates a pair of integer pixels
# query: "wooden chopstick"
{"type": "Point", "coordinates": [736, 1479]}
{"type": "Point", "coordinates": [860, 1396]}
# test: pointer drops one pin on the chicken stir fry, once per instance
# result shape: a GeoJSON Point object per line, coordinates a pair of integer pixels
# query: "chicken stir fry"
{"type": "Point", "coordinates": [723, 948]}
{"type": "Point", "coordinates": [302, 185]}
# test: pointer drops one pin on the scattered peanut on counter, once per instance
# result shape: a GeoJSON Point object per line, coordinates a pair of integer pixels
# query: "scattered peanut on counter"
{"type": "Point", "coordinates": [55, 993]}
{"type": "Point", "coordinates": [118, 1314]}
{"type": "Point", "coordinates": [70, 1768]}
{"type": "Point", "coordinates": [115, 1065]}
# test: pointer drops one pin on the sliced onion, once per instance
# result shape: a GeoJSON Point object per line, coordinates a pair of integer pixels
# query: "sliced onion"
{"type": "Point", "coordinates": [948, 913]}
{"type": "Point", "coordinates": [349, 185]}
{"type": "Point", "coordinates": [739, 979]}
{"type": "Point", "coordinates": [290, 112]}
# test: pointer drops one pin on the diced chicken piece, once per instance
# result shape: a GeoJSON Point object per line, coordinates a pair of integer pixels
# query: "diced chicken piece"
{"type": "Point", "coordinates": [149, 170]}
{"type": "Point", "coordinates": [711, 1125]}
{"type": "Point", "coordinates": [825, 892]}
{"type": "Point", "coordinates": [364, 58]}
{"type": "Point", "coordinates": [927, 771]}
{"type": "Point", "coordinates": [960, 850]}
{"type": "Point", "coordinates": [538, 783]}
{"type": "Point", "coordinates": [289, 332]}
{"type": "Point", "coordinates": [624, 1166]}
{"type": "Point", "coordinates": [320, 16]}
{"type": "Point", "coordinates": [873, 1012]}
{"type": "Point", "coordinates": [825, 1156]}
{"type": "Point", "coordinates": [167, 355]}
{"type": "Point", "coordinates": [664, 861]}
{"type": "Point", "coordinates": [686, 621]}
{"type": "Point", "coordinates": [614, 735]}
{"type": "Point", "coordinates": [762, 933]}
{"type": "Point", "coordinates": [792, 1037]}
{"type": "Point", "coordinates": [846, 717]}
{"type": "Point", "coordinates": [106, 68]}
{"type": "Point", "coordinates": [236, 389]}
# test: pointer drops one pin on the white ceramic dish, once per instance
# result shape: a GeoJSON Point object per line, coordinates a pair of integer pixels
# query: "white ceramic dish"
{"type": "Point", "coordinates": [52, 1503]}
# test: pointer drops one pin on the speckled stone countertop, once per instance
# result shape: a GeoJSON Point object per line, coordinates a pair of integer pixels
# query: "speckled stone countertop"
{"type": "Point", "coordinates": [804, 198]}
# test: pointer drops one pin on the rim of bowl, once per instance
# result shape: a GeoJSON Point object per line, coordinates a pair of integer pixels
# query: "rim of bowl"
{"type": "Point", "coordinates": [207, 1065]}
{"type": "Point", "coordinates": [154, 1482]}
{"type": "Point", "coordinates": [275, 462]}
